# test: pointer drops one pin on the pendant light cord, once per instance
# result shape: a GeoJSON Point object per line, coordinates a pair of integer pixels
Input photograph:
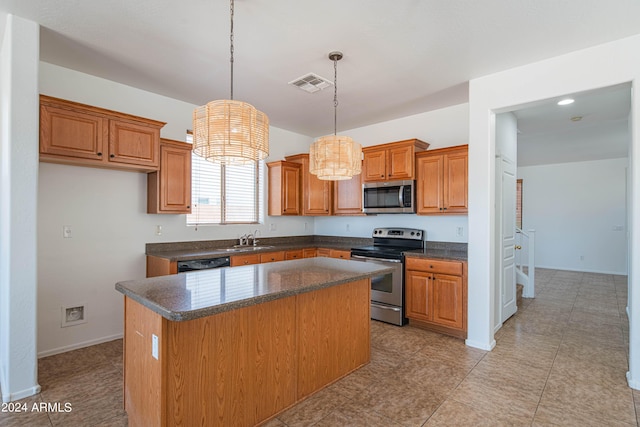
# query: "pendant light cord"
{"type": "Point", "coordinates": [231, 48]}
{"type": "Point", "coordinates": [335, 96]}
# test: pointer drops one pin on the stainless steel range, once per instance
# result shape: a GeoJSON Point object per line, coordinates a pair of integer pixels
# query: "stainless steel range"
{"type": "Point", "coordinates": [387, 291]}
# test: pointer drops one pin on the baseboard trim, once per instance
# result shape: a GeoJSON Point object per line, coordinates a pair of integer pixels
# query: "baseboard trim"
{"type": "Point", "coordinates": [78, 345]}
{"type": "Point", "coordinates": [481, 346]}
{"type": "Point", "coordinates": [11, 397]}
{"type": "Point", "coordinates": [631, 382]}
{"type": "Point", "coordinates": [616, 273]}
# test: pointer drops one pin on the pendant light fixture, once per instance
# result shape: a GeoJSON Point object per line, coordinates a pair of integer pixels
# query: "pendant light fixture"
{"type": "Point", "coordinates": [334, 157]}
{"type": "Point", "coordinates": [228, 131]}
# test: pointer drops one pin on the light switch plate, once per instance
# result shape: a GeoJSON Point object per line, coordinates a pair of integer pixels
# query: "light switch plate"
{"type": "Point", "coordinates": [154, 346]}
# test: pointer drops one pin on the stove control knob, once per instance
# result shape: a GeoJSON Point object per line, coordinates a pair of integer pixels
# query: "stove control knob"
{"type": "Point", "coordinates": [418, 234]}
{"type": "Point", "coordinates": [412, 233]}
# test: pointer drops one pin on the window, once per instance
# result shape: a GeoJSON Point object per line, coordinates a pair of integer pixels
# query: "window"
{"type": "Point", "coordinates": [519, 203]}
{"type": "Point", "coordinates": [225, 194]}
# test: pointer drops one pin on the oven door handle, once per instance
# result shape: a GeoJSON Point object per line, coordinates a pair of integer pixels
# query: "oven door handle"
{"type": "Point", "coordinates": [376, 259]}
{"type": "Point", "coordinates": [385, 307]}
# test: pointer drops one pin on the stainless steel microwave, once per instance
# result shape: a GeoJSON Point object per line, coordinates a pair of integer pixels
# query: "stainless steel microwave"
{"type": "Point", "coordinates": [388, 197]}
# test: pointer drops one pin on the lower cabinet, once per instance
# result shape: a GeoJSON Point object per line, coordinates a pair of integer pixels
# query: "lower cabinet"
{"type": "Point", "coordinates": [436, 295]}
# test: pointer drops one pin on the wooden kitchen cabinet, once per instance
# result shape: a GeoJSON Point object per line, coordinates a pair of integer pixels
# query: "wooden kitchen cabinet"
{"type": "Point", "coordinates": [79, 134]}
{"type": "Point", "coordinates": [436, 295]}
{"type": "Point", "coordinates": [249, 259]}
{"type": "Point", "coordinates": [169, 189]}
{"type": "Point", "coordinates": [393, 161]}
{"type": "Point", "coordinates": [442, 181]}
{"type": "Point", "coordinates": [309, 253]}
{"type": "Point", "coordinates": [272, 257]}
{"type": "Point", "coordinates": [316, 193]}
{"type": "Point", "coordinates": [284, 188]}
{"type": "Point", "coordinates": [347, 196]}
{"type": "Point", "coordinates": [295, 254]}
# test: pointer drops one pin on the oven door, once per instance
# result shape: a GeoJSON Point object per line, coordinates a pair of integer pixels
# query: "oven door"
{"type": "Point", "coordinates": [385, 288]}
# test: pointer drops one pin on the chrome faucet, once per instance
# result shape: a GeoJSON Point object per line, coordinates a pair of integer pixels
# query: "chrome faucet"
{"type": "Point", "coordinates": [244, 239]}
{"type": "Point", "coordinates": [253, 236]}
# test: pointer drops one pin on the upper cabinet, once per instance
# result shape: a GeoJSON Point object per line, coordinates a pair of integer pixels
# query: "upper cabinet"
{"type": "Point", "coordinates": [79, 134]}
{"type": "Point", "coordinates": [283, 197]}
{"type": "Point", "coordinates": [393, 161]}
{"type": "Point", "coordinates": [442, 181]}
{"type": "Point", "coordinates": [169, 189]}
{"type": "Point", "coordinates": [316, 193]}
{"type": "Point", "coordinates": [347, 196]}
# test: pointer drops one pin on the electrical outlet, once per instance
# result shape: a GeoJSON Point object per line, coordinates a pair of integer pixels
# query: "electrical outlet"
{"type": "Point", "coordinates": [459, 231]}
{"type": "Point", "coordinates": [272, 227]}
{"type": "Point", "coordinates": [581, 257]}
{"type": "Point", "coordinates": [348, 227]}
{"type": "Point", "coordinates": [158, 230]}
{"type": "Point", "coordinates": [66, 231]}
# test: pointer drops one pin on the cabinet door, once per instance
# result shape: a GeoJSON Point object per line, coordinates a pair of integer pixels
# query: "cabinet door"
{"type": "Point", "coordinates": [418, 295]}
{"type": "Point", "coordinates": [448, 300]}
{"type": "Point", "coordinates": [309, 253]}
{"type": "Point", "coordinates": [316, 196]}
{"type": "Point", "coordinates": [455, 182]}
{"type": "Point", "coordinates": [72, 134]}
{"type": "Point", "coordinates": [400, 162]}
{"type": "Point", "coordinates": [347, 196]}
{"type": "Point", "coordinates": [429, 185]}
{"type": "Point", "coordinates": [323, 252]}
{"type": "Point", "coordinates": [374, 165]}
{"type": "Point", "coordinates": [169, 189]}
{"type": "Point", "coordinates": [133, 144]}
{"type": "Point", "coordinates": [290, 190]}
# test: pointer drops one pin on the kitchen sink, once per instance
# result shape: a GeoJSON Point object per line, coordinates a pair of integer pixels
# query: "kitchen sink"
{"type": "Point", "coordinates": [238, 248]}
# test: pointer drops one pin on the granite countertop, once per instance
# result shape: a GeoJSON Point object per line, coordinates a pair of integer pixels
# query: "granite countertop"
{"type": "Point", "coordinates": [185, 251]}
{"type": "Point", "coordinates": [196, 294]}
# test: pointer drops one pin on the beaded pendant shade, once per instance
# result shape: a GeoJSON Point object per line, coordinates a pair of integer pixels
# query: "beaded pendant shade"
{"type": "Point", "coordinates": [334, 157]}
{"type": "Point", "coordinates": [228, 131]}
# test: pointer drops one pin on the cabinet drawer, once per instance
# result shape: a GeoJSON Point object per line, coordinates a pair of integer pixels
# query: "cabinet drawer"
{"type": "Point", "coordinates": [245, 260]}
{"type": "Point", "coordinates": [272, 257]}
{"type": "Point", "coordinates": [435, 266]}
{"type": "Point", "coordinates": [299, 254]}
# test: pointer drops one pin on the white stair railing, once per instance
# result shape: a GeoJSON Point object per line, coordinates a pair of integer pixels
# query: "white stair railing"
{"type": "Point", "coordinates": [525, 245]}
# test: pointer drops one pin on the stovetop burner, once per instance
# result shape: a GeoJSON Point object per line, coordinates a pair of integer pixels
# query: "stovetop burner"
{"type": "Point", "coordinates": [390, 243]}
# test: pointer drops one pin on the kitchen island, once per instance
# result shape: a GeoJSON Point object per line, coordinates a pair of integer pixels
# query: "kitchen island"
{"type": "Point", "coordinates": [238, 345]}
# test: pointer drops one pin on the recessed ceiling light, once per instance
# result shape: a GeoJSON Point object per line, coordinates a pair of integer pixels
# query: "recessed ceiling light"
{"type": "Point", "coordinates": [566, 101]}
{"type": "Point", "coordinates": [576, 118]}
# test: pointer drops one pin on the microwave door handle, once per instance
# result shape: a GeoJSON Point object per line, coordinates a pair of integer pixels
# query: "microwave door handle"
{"type": "Point", "coordinates": [401, 196]}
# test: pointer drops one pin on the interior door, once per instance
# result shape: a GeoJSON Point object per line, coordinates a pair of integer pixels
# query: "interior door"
{"type": "Point", "coordinates": [508, 221]}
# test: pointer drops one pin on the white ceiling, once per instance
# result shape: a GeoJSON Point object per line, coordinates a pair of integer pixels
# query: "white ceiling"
{"type": "Point", "coordinates": [401, 57]}
{"type": "Point", "coordinates": [594, 127]}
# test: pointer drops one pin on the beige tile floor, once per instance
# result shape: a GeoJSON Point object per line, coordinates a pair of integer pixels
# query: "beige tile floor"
{"type": "Point", "coordinates": [561, 360]}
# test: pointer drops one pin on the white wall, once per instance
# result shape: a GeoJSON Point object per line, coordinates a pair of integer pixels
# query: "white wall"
{"type": "Point", "coordinates": [106, 210]}
{"type": "Point", "coordinates": [600, 66]}
{"type": "Point", "coordinates": [18, 185]}
{"type": "Point", "coordinates": [441, 128]}
{"type": "Point", "coordinates": [578, 210]}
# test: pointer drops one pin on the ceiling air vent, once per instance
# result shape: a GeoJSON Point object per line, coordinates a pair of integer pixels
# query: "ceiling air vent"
{"type": "Point", "coordinates": [311, 83]}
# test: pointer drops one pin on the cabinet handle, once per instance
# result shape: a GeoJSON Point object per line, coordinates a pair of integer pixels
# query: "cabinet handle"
{"type": "Point", "coordinates": [188, 207]}
{"type": "Point", "coordinates": [112, 155]}
{"type": "Point", "coordinates": [99, 154]}
{"type": "Point", "coordinates": [381, 176]}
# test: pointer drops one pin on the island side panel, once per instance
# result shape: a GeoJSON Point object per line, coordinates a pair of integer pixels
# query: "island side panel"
{"type": "Point", "coordinates": [142, 372]}
{"type": "Point", "coordinates": [333, 334]}
{"type": "Point", "coordinates": [232, 368]}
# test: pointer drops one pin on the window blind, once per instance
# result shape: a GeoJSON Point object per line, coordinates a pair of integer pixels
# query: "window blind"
{"type": "Point", "coordinates": [225, 194]}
